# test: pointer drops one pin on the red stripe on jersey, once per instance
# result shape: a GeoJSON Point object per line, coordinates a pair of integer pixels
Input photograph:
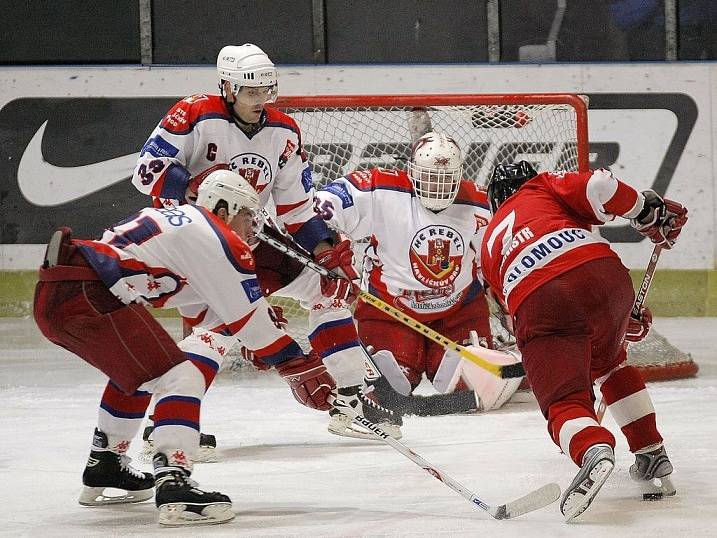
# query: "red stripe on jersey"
{"type": "Point", "coordinates": [284, 209]}
{"type": "Point", "coordinates": [184, 114]}
{"type": "Point", "coordinates": [276, 118]}
{"type": "Point", "coordinates": [196, 320]}
{"type": "Point", "coordinates": [622, 201]}
{"type": "Point", "coordinates": [379, 178]}
{"type": "Point", "coordinates": [469, 193]}
{"type": "Point", "coordinates": [237, 326]}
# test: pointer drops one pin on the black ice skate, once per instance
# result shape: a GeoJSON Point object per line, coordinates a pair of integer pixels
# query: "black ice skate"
{"type": "Point", "coordinates": [206, 453]}
{"type": "Point", "coordinates": [107, 469]}
{"type": "Point", "coordinates": [598, 463]}
{"type": "Point", "coordinates": [366, 404]}
{"type": "Point", "coordinates": [181, 502]}
{"type": "Point", "coordinates": [652, 470]}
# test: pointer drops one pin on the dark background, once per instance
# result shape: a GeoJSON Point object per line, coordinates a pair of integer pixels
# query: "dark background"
{"type": "Point", "coordinates": [349, 31]}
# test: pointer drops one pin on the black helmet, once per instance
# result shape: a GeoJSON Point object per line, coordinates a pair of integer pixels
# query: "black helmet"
{"type": "Point", "coordinates": [506, 179]}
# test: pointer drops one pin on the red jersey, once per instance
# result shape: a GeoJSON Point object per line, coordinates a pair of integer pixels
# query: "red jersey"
{"type": "Point", "coordinates": [545, 229]}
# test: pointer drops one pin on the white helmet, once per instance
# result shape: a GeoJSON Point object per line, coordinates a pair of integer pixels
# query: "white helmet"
{"type": "Point", "coordinates": [230, 187]}
{"type": "Point", "coordinates": [246, 65]}
{"type": "Point", "coordinates": [435, 170]}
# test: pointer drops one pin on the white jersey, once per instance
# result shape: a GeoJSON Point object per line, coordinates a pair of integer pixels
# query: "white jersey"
{"type": "Point", "coordinates": [187, 258]}
{"type": "Point", "coordinates": [199, 133]}
{"type": "Point", "coordinates": [419, 261]}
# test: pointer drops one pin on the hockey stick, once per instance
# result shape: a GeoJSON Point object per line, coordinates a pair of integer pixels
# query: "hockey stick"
{"type": "Point", "coordinates": [534, 500]}
{"type": "Point", "coordinates": [503, 371]}
{"type": "Point", "coordinates": [636, 307]}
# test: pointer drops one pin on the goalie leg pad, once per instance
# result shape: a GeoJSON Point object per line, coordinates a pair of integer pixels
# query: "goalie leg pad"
{"type": "Point", "coordinates": [492, 391]}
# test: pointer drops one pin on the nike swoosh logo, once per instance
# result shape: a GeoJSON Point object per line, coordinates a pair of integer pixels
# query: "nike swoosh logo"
{"type": "Point", "coordinates": [45, 184]}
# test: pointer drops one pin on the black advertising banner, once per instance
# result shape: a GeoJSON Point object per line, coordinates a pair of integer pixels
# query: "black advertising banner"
{"type": "Point", "coordinates": [69, 161]}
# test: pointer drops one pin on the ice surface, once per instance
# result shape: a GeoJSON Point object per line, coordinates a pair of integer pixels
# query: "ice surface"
{"type": "Point", "coordinates": [288, 476]}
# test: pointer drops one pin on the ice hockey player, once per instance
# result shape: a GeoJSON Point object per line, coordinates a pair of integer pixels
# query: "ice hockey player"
{"type": "Point", "coordinates": [425, 227]}
{"type": "Point", "coordinates": [91, 299]}
{"type": "Point", "coordinates": [237, 130]}
{"type": "Point", "coordinates": [570, 299]}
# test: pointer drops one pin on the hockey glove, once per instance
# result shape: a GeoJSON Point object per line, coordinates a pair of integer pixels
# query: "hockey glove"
{"type": "Point", "coordinates": [637, 329]}
{"type": "Point", "coordinates": [660, 220]}
{"type": "Point", "coordinates": [195, 181]}
{"type": "Point", "coordinates": [339, 258]}
{"type": "Point", "coordinates": [309, 381]}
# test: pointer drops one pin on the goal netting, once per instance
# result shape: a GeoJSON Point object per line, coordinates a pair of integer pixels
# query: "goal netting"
{"type": "Point", "coordinates": [345, 133]}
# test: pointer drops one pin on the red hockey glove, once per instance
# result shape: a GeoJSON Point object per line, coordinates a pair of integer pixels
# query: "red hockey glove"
{"type": "Point", "coordinates": [637, 329]}
{"type": "Point", "coordinates": [195, 181]}
{"type": "Point", "coordinates": [309, 380]}
{"type": "Point", "coordinates": [339, 258]}
{"type": "Point", "coordinates": [660, 220]}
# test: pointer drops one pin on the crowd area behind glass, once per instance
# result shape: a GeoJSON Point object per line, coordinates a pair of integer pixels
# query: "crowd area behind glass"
{"type": "Point", "coordinates": [153, 32]}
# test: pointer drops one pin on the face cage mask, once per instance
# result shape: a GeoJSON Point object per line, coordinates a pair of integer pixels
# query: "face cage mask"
{"type": "Point", "coordinates": [436, 188]}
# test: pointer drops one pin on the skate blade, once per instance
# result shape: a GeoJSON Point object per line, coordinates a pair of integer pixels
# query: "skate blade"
{"type": "Point", "coordinates": [352, 431]}
{"type": "Point", "coordinates": [657, 488]}
{"type": "Point", "coordinates": [100, 496]}
{"type": "Point", "coordinates": [177, 515]}
{"type": "Point", "coordinates": [205, 454]}
{"type": "Point", "coordinates": [576, 503]}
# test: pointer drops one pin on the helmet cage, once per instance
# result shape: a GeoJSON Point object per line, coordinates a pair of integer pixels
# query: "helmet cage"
{"type": "Point", "coordinates": [506, 180]}
{"type": "Point", "coordinates": [435, 170]}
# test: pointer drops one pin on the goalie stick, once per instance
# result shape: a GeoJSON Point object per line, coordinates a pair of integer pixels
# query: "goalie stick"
{"type": "Point", "coordinates": [636, 307]}
{"type": "Point", "coordinates": [534, 500]}
{"type": "Point", "coordinates": [503, 371]}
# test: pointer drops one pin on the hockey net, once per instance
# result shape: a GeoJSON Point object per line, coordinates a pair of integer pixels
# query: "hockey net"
{"type": "Point", "coordinates": [345, 133]}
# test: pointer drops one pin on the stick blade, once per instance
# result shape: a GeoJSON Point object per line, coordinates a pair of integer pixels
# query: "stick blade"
{"type": "Point", "coordinates": [534, 500]}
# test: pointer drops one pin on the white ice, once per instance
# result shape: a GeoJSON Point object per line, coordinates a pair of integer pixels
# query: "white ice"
{"type": "Point", "coordinates": [288, 476]}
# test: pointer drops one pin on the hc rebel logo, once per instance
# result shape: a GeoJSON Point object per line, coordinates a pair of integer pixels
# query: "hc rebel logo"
{"type": "Point", "coordinates": [254, 168]}
{"type": "Point", "coordinates": [436, 253]}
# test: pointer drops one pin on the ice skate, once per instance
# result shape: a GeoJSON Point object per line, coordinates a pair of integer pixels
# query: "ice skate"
{"type": "Point", "coordinates": [598, 463]}
{"type": "Point", "coordinates": [652, 470]}
{"type": "Point", "coordinates": [181, 502]}
{"type": "Point", "coordinates": [341, 424]}
{"type": "Point", "coordinates": [206, 453]}
{"type": "Point", "coordinates": [108, 470]}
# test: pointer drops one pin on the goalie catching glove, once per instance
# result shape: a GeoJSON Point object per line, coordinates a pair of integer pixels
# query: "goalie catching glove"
{"type": "Point", "coordinates": [637, 329]}
{"type": "Point", "coordinates": [660, 220]}
{"type": "Point", "coordinates": [340, 260]}
{"type": "Point", "coordinates": [309, 381]}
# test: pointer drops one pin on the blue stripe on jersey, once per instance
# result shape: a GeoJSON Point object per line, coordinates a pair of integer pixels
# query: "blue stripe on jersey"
{"type": "Point", "coordinates": [207, 116]}
{"type": "Point", "coordinates": [290, 351]}
{"type": "Point", "coordinates": [473, 290]}
{"type": "Point", "coordinates": [108, 268]}
{"type": "Point", "coordinates": [222, 234]}
{"type": "Point", "coordinates": [311, 233]}
{"type": "Point", "coordinates": [174, 185]}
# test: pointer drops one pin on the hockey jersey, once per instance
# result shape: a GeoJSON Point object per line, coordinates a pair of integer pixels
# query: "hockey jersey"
{"type": "Point", "coordinates": [545, 229]}
{"type": "Point", "coordinates": [199, 133]}
{"type": "Point", "coordinates": [187, 258]}
{"type": "Point", "coordinates": [422, 262]}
